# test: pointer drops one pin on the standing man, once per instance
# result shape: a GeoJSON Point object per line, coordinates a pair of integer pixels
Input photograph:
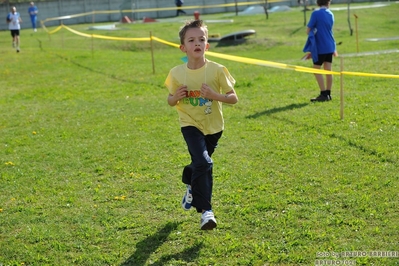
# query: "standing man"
{"type": "Point", "coordinates": [33, 15]}
{"type": "Point", "coordinates": [14, 20]}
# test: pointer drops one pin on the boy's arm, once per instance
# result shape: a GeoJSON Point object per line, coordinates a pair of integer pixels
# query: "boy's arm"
{"type": "Point", "coordinates": [230, 97]}
{"type": "Point", "coordinates": [171, 100]}
{"type": "Point", "coordinates": [180, 93]}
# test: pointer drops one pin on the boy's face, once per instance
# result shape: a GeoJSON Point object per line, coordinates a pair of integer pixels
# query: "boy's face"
{"type": "Point", "coordinates": [195, 43]}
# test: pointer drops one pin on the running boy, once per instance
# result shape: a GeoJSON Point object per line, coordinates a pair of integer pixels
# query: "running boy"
{"type": "Point", "coordinates": [197, 89]}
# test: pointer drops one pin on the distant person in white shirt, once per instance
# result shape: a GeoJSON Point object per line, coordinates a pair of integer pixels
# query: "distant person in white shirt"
{"type": "Point", "coordinates": [14, 20]}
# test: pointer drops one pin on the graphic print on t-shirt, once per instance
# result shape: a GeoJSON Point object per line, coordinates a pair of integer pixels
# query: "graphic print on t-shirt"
{"type": "Point", "coordinates": [194, 98]}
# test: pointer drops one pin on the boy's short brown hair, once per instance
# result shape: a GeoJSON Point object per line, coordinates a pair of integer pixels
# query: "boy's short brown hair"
{"type": "Point", "coordinates": [189, 25]}
{"type": "Point", "coordinates": [323, 2]}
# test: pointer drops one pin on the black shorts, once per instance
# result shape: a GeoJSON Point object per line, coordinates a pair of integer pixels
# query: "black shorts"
{"type": "Point", "coordinates": [324, 58]}
{"type": "Point", "coordinates": [14, 33]}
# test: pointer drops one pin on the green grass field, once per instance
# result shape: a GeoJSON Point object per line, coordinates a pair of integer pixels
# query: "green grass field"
{"type": "Point", "coordinates": [91, 154]}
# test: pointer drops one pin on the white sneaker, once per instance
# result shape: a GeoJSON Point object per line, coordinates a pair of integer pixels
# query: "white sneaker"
{"type": "Point", "coordinates": [35, 30]}
{"type": "Point", "coordinates": [13, 44]}
{"type": "Point", "coordinates": [208, 221]}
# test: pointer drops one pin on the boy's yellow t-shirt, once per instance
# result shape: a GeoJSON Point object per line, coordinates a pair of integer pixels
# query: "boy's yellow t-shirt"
{"type": "Point", "coordinates": [204, 114]}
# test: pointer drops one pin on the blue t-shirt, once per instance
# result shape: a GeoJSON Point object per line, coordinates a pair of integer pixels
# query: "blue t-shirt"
{"type": "Point", "coordinates": [32, 10]}
{"type": "Point", "coordinates": [323, 21]}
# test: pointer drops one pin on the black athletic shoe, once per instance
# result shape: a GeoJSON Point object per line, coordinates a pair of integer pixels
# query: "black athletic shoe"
{"type": "Point", "coordinates": [321, 98]}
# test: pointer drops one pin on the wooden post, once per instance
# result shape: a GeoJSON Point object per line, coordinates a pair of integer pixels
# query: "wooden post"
{"type": "Point", "coordinates": [304, 12]}
{"type": "Point", "coordinates": [357, 37]}
{"type": "Point", "coordinates": [236, 7]}
{"type": "Point", "coordinates": [152, 53]}
{"type": "Point", "coordinates": [62, 36]}
{"type": "Point", "coordinates": [342, 89]}
{"type": "Point", "coordinates": [92, 46]}
{"type": "Point", "coordinates": [49, 35]}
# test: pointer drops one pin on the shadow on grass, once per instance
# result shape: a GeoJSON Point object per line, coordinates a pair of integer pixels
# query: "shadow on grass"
{"type": "Point", "coordinates": [188, 255]}
{"type": "Point", "coordinates": [277, 110]}
{"type": "Point", "coordinates": [369, 151]}
{"type": "Point", "coordinates": [93, 70]}
{"type": "Point", "coordinates": [149, 245]}
{"type": "Point", "coordinates": [298, 29]}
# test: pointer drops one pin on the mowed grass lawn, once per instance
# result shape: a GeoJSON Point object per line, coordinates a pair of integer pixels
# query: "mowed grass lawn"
{"type": "Point", "coordinates": [91, 154]}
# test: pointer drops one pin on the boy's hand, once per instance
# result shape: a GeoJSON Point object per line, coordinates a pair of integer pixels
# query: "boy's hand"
{"type": "Point", "coordinates": [181, 93]}
{"type": "Point", "coordinates": [207, 92]}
